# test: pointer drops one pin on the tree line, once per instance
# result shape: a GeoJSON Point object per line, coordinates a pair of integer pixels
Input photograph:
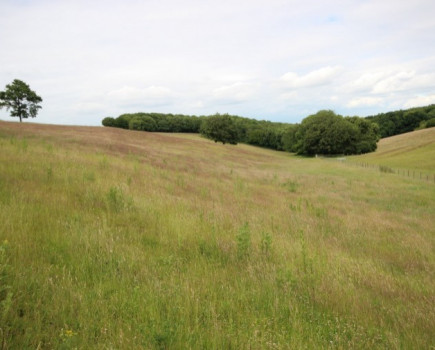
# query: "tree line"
{"type": "Point", "coordinates": [245, 130]}
{"type": "Point", "coordinates": [402, 121]}
{"type": "Point", "coordinates": [324, 132]}
{"type": "Point", "coordinates": [158, 122]}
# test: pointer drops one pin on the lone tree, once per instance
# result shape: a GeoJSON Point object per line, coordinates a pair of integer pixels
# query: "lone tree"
{"type": "Point", "coordinates": [22, 101]}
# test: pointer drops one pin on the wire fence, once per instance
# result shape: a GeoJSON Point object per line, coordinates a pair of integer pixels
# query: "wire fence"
{"type": "Point", "coordinates": [413, 174]}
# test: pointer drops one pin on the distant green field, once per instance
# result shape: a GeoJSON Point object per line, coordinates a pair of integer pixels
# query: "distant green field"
{"type": "Point", "coordinates": [115, 239]}
{"type": "Point", "coordinates": [413, 151]}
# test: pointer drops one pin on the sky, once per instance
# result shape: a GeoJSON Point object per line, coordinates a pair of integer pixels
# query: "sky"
{"type": "Point", "coordinates": [278, 60]}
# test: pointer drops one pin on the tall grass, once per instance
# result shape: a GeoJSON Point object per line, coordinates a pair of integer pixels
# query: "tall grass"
{"type": "Point", "coordinates": [120, 239]}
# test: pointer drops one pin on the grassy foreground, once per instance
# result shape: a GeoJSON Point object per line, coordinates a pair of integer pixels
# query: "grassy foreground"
{"type": "Point", "coordinates": [114, 239]}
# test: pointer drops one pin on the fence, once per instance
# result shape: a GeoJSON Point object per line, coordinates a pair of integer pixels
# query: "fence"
{"type": "Point", "coordinates": [414, 174]}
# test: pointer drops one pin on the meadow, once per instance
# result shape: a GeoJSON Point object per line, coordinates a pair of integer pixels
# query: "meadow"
{"type": "Point", "coordinates": [118, 239]}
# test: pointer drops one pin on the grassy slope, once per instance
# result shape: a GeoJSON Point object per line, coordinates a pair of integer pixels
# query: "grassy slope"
{"type": "Point", "coordinates": [122, 239]}
{"type": "Point", "coordinates": [413, 151]}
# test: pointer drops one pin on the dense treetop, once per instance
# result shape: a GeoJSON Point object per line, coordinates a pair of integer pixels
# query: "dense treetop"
{"type": "Point", "coordinates": [328, 133]}
{"type": "Point", "coordinates": [220, 128]}
{"type": "Point", "coordinates": [401, 121]}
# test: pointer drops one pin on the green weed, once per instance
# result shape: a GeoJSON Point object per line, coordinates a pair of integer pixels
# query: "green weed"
{"type": "Point", "coordinates": [117, 200]}
{"type": "Point", "coordinates": [291, 186]}
{"type": "Point", "coordinates": [243, 240]}
{"type": "Point", "coordinates": [266, 243]}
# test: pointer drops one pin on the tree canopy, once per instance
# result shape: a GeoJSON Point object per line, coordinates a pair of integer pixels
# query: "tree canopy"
{"type": "Point", "coordinates": [401, 121]}
{"type": "Point", "coordinates": [109, 121]}
{"type": "Point", "coordinates": [144, 123]}
{"type": "Point", "coordinates": [220, 128]}
{"type": "Point", "coordinates": [20, 99]}
{"type": "Point", "coordinates": [430, 123]}
{"type": "Point", "coordinates": [328, 133]}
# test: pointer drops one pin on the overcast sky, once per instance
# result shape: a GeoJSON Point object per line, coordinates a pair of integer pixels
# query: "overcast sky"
{"type": "Point", "coordinates": [279, 60]}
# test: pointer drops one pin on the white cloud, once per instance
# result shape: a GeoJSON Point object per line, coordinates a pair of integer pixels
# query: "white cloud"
{"type": "Point", "coordinates": [388, 80]}
{"type": "Point", "coordinates": [367, 81]}
{"type": "Point", "coordinates": [292, 95]}
{"type": "Point", "coordinates": [364, 102]}
{"type": "Point", "coordinates": [89, 107]}
{"type": "Point", "coordinates": [420, 101]}
{"type": "Point", "coordinates": [202, 56]}
{"type": "Point", "coordinates": [235, 93]}
{"type": "Point", "coordinates": [319, 77]}
{"type": "Point", "coordinates": [395, 82]}
{"type": "Point", "coordinates": [149, 94]}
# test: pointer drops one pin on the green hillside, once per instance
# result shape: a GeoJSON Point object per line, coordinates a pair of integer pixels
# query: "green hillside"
{"type": "Point", "coordinates": [118, 239]}
{"type": "Point", "coordinates": [414, 151]}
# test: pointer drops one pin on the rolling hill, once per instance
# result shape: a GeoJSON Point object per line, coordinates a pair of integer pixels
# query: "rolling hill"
{"type": "Point", "coordinates": [112, 238]}
{"type": "Point", "coordinates": [414, 150]}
